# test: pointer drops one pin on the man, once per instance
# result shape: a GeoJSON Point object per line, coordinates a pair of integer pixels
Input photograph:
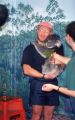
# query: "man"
{"type": "Point", "coordinates": [32, 63]}
{"type": "Point", "coordinates": [70, 69]}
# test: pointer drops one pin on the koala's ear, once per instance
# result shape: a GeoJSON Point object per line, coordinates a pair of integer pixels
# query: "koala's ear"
{"type": "Point", "coordinates": [3, 14]}
{"type": "Point", "coordinates": [58, 43]}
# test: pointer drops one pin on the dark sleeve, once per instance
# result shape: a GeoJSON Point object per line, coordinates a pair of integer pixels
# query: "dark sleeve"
{"type": "Point", "coordinates": [27, 56]}
{"type": "Point", "coordinates": [60, 50]}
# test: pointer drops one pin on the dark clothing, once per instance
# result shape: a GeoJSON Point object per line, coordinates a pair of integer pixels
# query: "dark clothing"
{"type": "Point", "coordinates": [37, 96]}
{"type": "Point", "coordinates": [34, 59]}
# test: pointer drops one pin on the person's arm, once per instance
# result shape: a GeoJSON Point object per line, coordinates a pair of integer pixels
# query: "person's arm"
{"type": "Point", "coordinates": [28, 70]}
{"type": "Point", "coordinates": [27, 62]}
{"type": "Point", "coordinates": [50, 87]}
{"type": "Point", "coordinates": [66, 91]}
{"type": "Point", "coordinates": [61, 58]}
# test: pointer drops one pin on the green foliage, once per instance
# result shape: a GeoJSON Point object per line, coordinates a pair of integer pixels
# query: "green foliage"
{"type": "Point", "coordinates": [54, 12]}
{"type": "Point", "coordinates": [24, 18]}
{"type": "Point", "coordinates": [27, 9]}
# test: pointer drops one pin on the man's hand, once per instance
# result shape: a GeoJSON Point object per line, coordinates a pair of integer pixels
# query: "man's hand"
{"type": "Point", "coordinates": [50, 76]}
{"type": "Point", "coordinates": [47, 87]}
{"type": "Point", "coordinates": [55, 59]}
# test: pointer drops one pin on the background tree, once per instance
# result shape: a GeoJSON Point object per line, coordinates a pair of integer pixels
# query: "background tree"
{"type": "Point", "coordinates": [55, 13]}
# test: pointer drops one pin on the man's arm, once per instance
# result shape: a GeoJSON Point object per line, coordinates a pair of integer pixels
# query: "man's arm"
{"type": "Point", "coordinates": [61, 58]}
{"type": "Point", "coordinates": [66, 91]}
{"type": "Point", "coordinates": [50, 87]}
{"type": "Point", "coordinates": [28, 70]}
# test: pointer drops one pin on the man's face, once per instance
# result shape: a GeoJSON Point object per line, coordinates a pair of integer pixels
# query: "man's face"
{"type": "Point", "coordinates": [68, 39]}
{"type": "Point", "coordinates": [43, 33]}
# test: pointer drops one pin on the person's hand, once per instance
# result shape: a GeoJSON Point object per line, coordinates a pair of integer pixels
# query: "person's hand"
{"type": "Point", "coordinates": [50, 76]}
{"type": "Point", "coordinates": [55, 59]}
{"type": "Point", "coordinates": [55, 55]}
{"type": "Point", "coordinates": [47, 87]}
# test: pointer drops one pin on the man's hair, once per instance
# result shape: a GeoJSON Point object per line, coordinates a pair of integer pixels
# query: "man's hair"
{"type": "Point", "coordinates": [3, 14]}
{"type": "Point", "coordinates": [46, 24]}
{"type": "Point", "coordinates": [70, 29]}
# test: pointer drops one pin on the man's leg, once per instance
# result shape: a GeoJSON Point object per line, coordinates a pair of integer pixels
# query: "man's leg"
{"type": "Point", "coordinates": [48, 112]}
{"type": "Point", "coordinates": [36, 112]}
